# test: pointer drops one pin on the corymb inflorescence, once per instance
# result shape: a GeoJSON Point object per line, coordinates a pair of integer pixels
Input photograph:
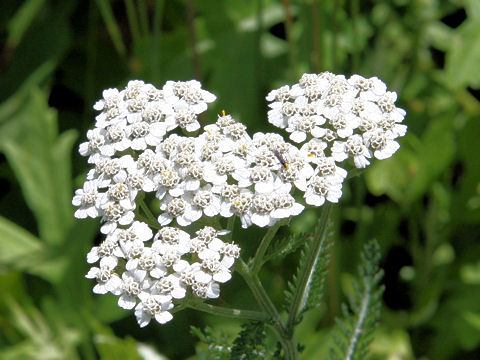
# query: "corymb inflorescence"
{"type": "Point", "coordinates": [139, 150]}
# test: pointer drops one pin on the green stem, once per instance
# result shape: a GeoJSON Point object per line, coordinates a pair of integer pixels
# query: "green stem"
{"type": "Point", "coordinates": [132, 20]}
{"type": "Point", "coordinates": [193, 39]}
{"type": "Point", "coordinates": [230, 227]}
{"type": "Point", "coordinates": [149, 218]}
{"type": "Point", "coordinates": [142, 10]}
{"type": "Point", "coordinates": [289, 344]}
{"type": "Point", "coordinates": [147, 210]}
{"type": "Point", "coordinates": [112, 27]}
{"type": "Point", "coordinates": [262, 248]}
{"type": "Point", "coordinates": [228, 312]}
{"type": "Point", "coordinates": [157, 27]}
{"type": "Point", "coordinates": [306, 277]}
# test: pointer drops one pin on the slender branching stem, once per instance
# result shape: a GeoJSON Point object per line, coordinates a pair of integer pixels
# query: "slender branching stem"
{"type": "Point", "coordinates": [362, 316]}
{"type": "Point", "coordinates": [147, 210]}
{"type": "Point", "coordinates": [132, 20]}
{"type": "Point", "coordinates": [193, 39]}
{"type": "Point", "coordinates": [262, 248]}
{"type": "Point", "coordinates": [289, 344]}
{"type": "Point", "coordinates": [306, 277]}
{"type": "Point", "coordinates": [228, 312]}
{"type": "Point", "coordinates": [231, 226]}
{"type": "Point", "coordinates": [149, 218]}
{"type": "Point", "coordinates": [112, 26]}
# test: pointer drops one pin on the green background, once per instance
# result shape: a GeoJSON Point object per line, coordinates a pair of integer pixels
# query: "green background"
{"type": "Point", "coordinates": [422, 205]}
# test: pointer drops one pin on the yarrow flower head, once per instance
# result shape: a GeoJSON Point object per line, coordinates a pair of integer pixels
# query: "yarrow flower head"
{"type": "Point", "coordinates": [150, 258]}
{"type": "Point", "coordinates": [357, 115]}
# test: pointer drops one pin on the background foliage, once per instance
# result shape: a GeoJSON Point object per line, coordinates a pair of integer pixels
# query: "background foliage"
{"type": "Point", "coordinates": [422, 205]}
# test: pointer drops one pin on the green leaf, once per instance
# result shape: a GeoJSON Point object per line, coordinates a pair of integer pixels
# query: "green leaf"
{"type": "Point", "coordinates": [285, 246]}
{"type": "Point", "coordinates": [359, 320]}
{"type": "Point", "coordinates": [19, 247]}
{"type": "Point", "coordinates": [23, 251]}
{"type": "Point", "coordinates": [10, 107]}
{"type": "Point", "coordinates": [217, 347]}
{"type": "Point", "coordinates": [111, 347]}
{"type": "Point", "coordinates": [40, 159]}
{"type": "Point", "coordinates": [463, 57]}
{"type": "Point", "coordinates": [250, 342]}
{"type": "Point", "coordinates": [41, 340]}
{"type": "Point", "coordinates": [22, 19]}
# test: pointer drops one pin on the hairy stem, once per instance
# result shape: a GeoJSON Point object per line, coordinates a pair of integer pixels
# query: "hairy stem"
{"type": "Point", "coordinates": [357, 331]}
{"type": "Point", "coordinates": [262, 248]}
{"type": "Point", "coordinates": [228, 312]}
{"type": "Point", "coordinates": [289, 343]}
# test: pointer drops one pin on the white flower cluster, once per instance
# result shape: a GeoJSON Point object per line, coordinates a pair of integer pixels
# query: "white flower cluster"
{"type": "Point", "coordinates": [153, 277]}
{"type": "Point", "coordinates": [223, 171]}
{"type": "Point", "coordinates": [357, 116]}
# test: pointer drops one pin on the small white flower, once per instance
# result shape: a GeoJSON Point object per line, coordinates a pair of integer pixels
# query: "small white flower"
{"type": "Point", "coordinates": [89, 200]}
{"type": "Point", "coordinates": [170, 239]}
{"type": "Point", "coordinates": [107, 169]}
{"type": "Point", "coordinates": [321, 188]}
{"type": "Point", "coordinates": [370, 89]}
{"type": "Point", "coordinates": [383, 146]}
{"type": "Point", "coordinates": [190, 93]}
{"type": "Point", "coordinates": [92, 148]}
{"type": "Point", "coordinates": [262, 207]}
{"type": "Point", "coordinates": [203, 201]}
{"type": "Point", "coordinates": [111, 98]}
{"type": "Point", "coordinates": [115, 214]}
{"type": "Point", "coordinates": [109, 247]}
{"type": "Point", "coordinates": [154, 306]}
{"type": "Point", "coordinates": [117, 139]}
{"type": "Point", "coordinates": [107, 279]}
{"type": "Point", "coordinates": [132, 286]}
{"type": "Point", "coordinates": [176, 208]}
{"type": "Point", "coordinates": [143, 134]}
{"type": "Point", "coordinates": [285, 206]}
{"type": "Point", "coordinates": [353, 147]}
{"type": "Point", "coordinates": [170, 285]}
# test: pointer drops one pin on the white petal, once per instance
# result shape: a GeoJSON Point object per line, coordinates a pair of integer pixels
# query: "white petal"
{"type": "Point", "coordinates": [127, 302]}
{"type": "Point", "coordinates": [222, 276]}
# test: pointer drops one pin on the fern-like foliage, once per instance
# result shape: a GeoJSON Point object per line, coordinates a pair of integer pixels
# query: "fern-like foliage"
{"type": "Point", "coordinates": [218, 348]}
{"type": "Point", "coordinates": [286, 245]}
{"type": "Point", "coordinates": [305, 291]}
{"type": "Point", "coordinates": [249, 343]}
{"type": "Point", "coordinates": [360, 317]}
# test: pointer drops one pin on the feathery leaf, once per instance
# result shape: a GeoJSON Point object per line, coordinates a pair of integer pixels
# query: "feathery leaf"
{"type": "Point", "coordinates": [360, 317]}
